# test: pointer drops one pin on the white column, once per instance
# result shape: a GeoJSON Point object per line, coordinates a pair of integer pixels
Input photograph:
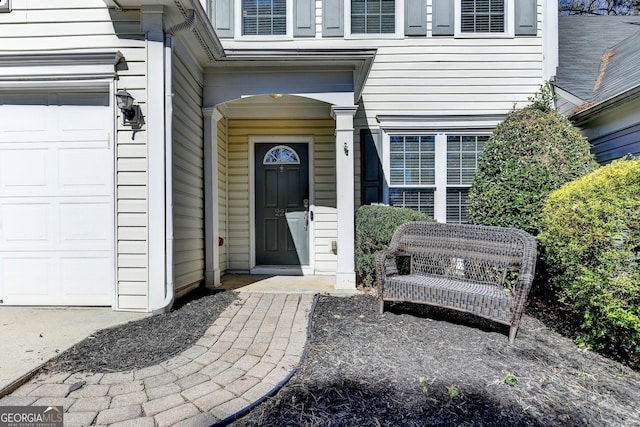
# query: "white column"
{"type": "Point", "coordinates": [211, 213]}
{"type": "Point", "coordinates": [345, 194]}
{"type": "Point", "coordinates": [158, 292]}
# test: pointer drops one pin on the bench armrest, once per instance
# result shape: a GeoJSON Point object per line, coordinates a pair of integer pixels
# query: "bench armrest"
{"type": "Point", "coordinates": [385, 265]}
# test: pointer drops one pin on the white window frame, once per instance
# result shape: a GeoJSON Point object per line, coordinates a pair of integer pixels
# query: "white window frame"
{"type": "Point", "coordinates": [5, 5]}
{"type": "Point", "coordinates": [399, 33]}
{"type": "Point", "coordinates": [440, 187]}
{"type": "Point", "coordinates": [267, 37]}
{"type": "Point", "coordinates": [509, 23]}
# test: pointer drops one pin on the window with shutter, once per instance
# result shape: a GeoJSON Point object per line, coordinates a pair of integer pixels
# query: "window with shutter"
{"type": "Point", "coordinates": [482, 16]}
{"type": "Point", "coordinates": [373, 16]}
{"type": "Point", "coordinates": [264, 17]}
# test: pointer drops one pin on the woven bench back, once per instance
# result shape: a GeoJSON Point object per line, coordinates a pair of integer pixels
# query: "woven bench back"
{"type": "Point", "coordinates": [481, 254]}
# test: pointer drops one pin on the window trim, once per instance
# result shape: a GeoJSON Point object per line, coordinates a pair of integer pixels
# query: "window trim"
{"type": "Point", "coordinates": [267, 37]}
{"type": "Point", "coordinates": [509, 23]}
{"type": "Point", "coordinates": [399, 24]}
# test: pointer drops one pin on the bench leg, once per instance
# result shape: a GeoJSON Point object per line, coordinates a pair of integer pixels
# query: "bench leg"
{"type": "Point", "coordinates": [381, 306]}
{"type": "Point", "coordinates": [512, 334]}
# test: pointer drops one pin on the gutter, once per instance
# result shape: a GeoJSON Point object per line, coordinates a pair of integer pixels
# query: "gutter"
{"type": "Point", "coordinates": [168, 155]}
{"type": "Point", "coordinates": [584, 116]}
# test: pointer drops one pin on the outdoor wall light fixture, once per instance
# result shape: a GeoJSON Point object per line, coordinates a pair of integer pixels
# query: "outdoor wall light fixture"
{"type": "Point", "coordinates": [130, 112]}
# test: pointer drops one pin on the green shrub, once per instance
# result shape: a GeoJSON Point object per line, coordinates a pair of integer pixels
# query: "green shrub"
{"type": "Point", "coordinates": [530, 154]}
{"type": "Point", "coordinates": [590, 241]}
{"type": "Point", "coordinates": [375, 226]}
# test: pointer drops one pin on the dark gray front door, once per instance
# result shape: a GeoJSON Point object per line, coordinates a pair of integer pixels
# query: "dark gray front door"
{"type": "Point", "coordinates": [282, 204]}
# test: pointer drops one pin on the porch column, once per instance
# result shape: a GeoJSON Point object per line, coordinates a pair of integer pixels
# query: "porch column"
{"type": "Point", "coordinates": [211, 219]}
{"type": "Point", "coordinates": [345, 195]}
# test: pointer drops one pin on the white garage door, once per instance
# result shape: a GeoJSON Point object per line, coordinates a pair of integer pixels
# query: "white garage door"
{"type": "Point", "coordinates": [56, 199]}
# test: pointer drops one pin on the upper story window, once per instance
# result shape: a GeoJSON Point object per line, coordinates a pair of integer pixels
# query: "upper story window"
{"type": "Point", "coordinates": [373, 16]}
{"type": "Point", "coordinates": [284, 19]}
{"type": "Point", "coordinates": [264, 17]}
{"type": "Point", "coordinates": [482, 16]}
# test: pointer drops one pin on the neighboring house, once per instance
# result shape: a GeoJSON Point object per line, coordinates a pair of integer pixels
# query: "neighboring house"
{"type": "Point", "coordinates": [263, 125]}
{"type": "Point", "coordinates": [598, 81]}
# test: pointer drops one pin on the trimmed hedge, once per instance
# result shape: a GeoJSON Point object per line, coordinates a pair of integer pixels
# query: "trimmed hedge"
{"type": "Point", "coordinates": [530, 154]}
{"type": "Point", "coordinates": [590, 241]}
{"type": "Point", "coordinates": [375, 226]}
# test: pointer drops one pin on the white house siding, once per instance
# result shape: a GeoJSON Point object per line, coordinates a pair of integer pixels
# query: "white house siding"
{"type": "Point", "coordinates": [437, 75]}
{"type": "Point", "coordinates": [188, 172]}
{"type": "Point", "coordinates": [238, 242]}
{"type": "Point", "coordinates": [38, 26]}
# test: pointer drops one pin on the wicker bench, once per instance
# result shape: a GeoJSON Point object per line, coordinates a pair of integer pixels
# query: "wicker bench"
{"type": "Point", "coordinates": [482, 270]}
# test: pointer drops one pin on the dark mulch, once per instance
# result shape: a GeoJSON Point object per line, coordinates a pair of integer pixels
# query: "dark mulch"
{"type": "Point", "coordinates": [147, 341]}
{"type": "Point", "coordinates": [412, 366]}
{"type": "Point", "coordinates": [420, 366]}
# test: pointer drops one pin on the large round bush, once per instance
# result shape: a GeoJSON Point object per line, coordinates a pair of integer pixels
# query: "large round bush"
{"type": "Point", "coordinates": [590, 239]}
{"type": "Point", "coordinates": [531, 153]}
{"type": "Point", "coordinates": [375, 226]}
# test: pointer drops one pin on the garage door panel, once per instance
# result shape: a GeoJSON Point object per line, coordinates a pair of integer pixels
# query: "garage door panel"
{"type": "Point", "coordinates": [56, 199]}
{"type": "Point", "coordinates": [86, 277]}
{"type": "Point", "coordinates": [25, 225]}
{"type": "Point", "coordinates": [83, 224]}
{"type": "Point", "coordinates": [67, 278]}
{"type": "Point", "coordinates": [23, 170]}
{"type": "Point", "coordinates": [26, 123]}
{"type": "Point", "coordinates": [85, 169]}
{"type": "Point", "coordinates": [28, 275]}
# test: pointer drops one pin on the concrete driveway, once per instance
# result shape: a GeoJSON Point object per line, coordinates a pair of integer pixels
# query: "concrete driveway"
{"type": "Point", "coordinates": [30, 336]}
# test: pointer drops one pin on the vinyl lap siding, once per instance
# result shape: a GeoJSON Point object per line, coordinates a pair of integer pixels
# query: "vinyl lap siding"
{"type": "Point", "coordinates": [239, 244]}
{"type": "Point", "coordinates": [88, 26]}
{"type": "Point", "coordinates": [449, 76]}
{"type": "Point", "coordinates": [617, 144]}
{"type": "Point", "coordinates": [131, 174]}
{"type": "Point", "coordinates": [188, 173]}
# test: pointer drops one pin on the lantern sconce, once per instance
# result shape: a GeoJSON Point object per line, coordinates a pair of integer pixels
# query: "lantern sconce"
{"type": "Point", "coordinates": [130, 112]}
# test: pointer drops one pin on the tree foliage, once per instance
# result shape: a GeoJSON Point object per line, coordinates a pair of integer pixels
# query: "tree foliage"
{"type": "Point", "coordinates": [599, 7]}
{"type": "Point", "coordinates": [531, 153]}
{"type": "Point", "coordinates": [590, 240]}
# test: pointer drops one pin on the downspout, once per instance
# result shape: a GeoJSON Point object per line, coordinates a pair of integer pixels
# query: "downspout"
{"type": "Point", "coordinates": [168, 149]}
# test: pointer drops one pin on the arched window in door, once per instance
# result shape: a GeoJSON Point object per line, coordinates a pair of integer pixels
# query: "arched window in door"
{"type": "Point", "coordinates": [281, 154]}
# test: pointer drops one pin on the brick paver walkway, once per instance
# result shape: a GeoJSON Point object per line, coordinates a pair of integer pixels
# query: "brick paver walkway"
{"type": "Point", "coordinates": [249, 350]}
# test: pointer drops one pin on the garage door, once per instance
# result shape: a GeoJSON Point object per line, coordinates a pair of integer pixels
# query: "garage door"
{"type": "Point", "coordinates": [56, 199]}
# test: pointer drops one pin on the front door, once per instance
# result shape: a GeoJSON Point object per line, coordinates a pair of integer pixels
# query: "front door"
{"type": "Point", "coordinates": [282, 204]}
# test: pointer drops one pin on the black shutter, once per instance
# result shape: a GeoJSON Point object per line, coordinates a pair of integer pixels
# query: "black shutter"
{"type": "Point", "coordinates": [372, 178]}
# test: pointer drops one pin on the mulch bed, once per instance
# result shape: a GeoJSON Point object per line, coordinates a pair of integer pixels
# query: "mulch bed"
{"type": "Point", "coordinates": [147, 341]}
{"type": "Point", "coordinates": [412, 366]}
{"type": "Point", "coordinates": [420, 366]}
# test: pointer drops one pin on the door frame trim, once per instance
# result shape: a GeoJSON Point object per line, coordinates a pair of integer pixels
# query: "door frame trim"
{"type": "Point", "coordinates": [283, 139]}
